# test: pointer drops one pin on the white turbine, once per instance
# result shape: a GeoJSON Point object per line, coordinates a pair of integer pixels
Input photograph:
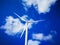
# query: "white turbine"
{"type": "Point", "coordinates": [26, 27]}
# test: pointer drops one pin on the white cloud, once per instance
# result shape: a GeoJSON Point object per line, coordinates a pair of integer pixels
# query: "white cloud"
{"type": "Point", "coordinates": [41, 37]}
{"type": "Point", "coordinates": [49, 37]}
{"type": "Point", "coordinates": [33, 42]}
{"type": "Point", "coordinates": [38, 36]}
{"type": "Point", "coordinates": [42, 6]}
{"type": "Point", "coordinates": [14, 25]}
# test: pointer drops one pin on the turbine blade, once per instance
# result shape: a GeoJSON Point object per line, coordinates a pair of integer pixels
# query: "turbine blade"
{"type": "Point", "coordinates": [17, 15]}
{"type": "Point", "coordinates": [22, 33]}
{"type": "Point", "coordinates": [20, 17]}
{"type": "Point", "coordinates": [39, 21]}
{"type": "Point", "coordinates": [35, 21]}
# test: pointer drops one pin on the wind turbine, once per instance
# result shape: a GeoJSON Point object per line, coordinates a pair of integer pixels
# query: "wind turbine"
{"type": "Point", "coordinates": [26, 27]}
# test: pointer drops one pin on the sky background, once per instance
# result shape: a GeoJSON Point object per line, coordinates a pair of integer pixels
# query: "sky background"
{"type": "Point", "coordinates": [52, 23]}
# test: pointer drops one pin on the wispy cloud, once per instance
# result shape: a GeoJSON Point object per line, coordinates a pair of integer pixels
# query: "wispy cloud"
{"type": "Point", "coordinates": [41, 37]}
{"type": "Point", "coordinates": [33, 42]}
{"type": "Point", "coordinates": [42, 6]}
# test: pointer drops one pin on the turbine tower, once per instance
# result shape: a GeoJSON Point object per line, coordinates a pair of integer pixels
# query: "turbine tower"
{"type": "Point", "coordinates": [26, 27]}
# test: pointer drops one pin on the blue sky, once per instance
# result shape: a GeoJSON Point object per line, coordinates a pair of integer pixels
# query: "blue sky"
{"type": "Point", "coordinates": [51, 23]}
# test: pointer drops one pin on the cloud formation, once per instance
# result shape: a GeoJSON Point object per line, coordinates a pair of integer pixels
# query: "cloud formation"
{"type": "Point", "coordinates": [12, 26]}
{"type": "Point", "coordinates": [41, 37]}
{"type": "Point", "coordinates": [42, 6]}
{"type": "Point", "coordinates": [33, 42]}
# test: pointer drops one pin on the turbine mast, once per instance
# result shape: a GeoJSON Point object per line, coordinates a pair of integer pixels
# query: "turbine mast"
{"type": "Point", "coordinates": [26, 34]}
